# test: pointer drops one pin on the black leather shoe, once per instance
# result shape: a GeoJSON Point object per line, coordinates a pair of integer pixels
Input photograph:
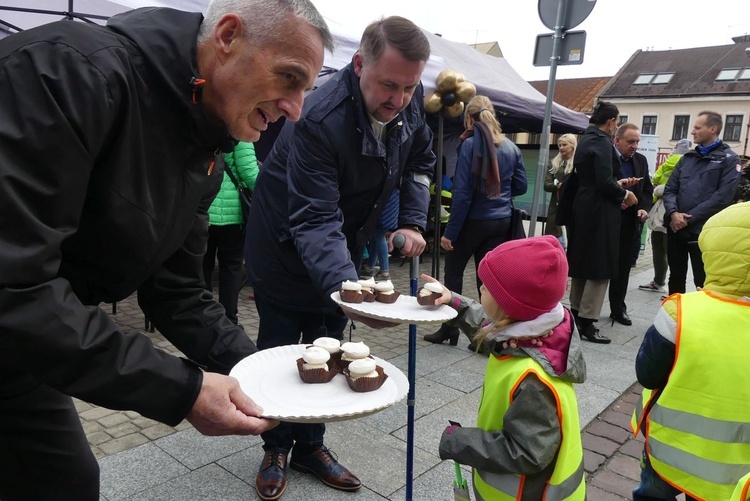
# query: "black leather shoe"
{"type": "Point", "coordinates": [592, 334]}
{"type": "Point", "coordinates": [323, 464]}
{"type": "Point", "coordinates": [270, 483]}
{"type": "Point", "coordinates": [621, 317]}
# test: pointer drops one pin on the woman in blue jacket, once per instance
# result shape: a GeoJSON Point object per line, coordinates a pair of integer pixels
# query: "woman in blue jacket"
{"type": "Point", "coordinates": [226, 237]}
{"type": "Point", "coordinates": [489, 171]}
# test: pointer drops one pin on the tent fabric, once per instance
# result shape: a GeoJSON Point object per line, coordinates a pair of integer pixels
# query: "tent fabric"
{"type": "Point", "coordinates": [520, 107]}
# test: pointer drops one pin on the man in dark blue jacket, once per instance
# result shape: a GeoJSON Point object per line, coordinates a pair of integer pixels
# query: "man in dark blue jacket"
{"type": "Point", "coordinates": [702, 184]}
{"type": "Point", "coordinates": [317, 199]}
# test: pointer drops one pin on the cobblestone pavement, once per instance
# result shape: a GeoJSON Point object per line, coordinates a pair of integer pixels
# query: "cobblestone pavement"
{"type": "Point", "coordinates": [611, 453]}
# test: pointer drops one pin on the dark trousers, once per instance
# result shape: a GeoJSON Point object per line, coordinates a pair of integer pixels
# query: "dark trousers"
{"type": "Point", "coordinates": [618, 286]}
{"type": "Point", "coordinates": [476, 239]}
{"type": "Point", "coordinates": [680, 245]}
{"type": "Point", "coordinates": [280, 326]}
{"type": "Point", "coordinates": [226, 244]}
{"type": "Point", "coordinates": [44, 454]}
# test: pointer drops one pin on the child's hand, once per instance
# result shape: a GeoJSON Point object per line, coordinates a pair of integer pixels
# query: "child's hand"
{"type": "Point", "coordinates": [530, 342]}
{"type": "Point", "coordinates": [446, 297]}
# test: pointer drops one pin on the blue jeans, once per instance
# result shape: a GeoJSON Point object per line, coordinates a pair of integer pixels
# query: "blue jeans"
{"type": "Point", "coordinates": [377, 248]}
{"type": "Point", "coordinates": [280, 326]}
{"type": "Point", "coordinates": [652, 487]}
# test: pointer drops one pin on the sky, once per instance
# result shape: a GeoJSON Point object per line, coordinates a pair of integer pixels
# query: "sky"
{"type": "Point", "coordinates": [614, 29]}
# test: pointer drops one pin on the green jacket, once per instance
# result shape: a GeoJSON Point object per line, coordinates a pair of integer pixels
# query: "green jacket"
{"type": "Point", "coordinates": [661, 176]}
{"type": "Point", "coordinates": [226, 209]}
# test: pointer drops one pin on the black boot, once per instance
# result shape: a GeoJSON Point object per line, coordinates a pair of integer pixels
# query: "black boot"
{"type": "Point", "coordinates": [444, 333]}
{"type": "Point", "coordinates": [589, 332]}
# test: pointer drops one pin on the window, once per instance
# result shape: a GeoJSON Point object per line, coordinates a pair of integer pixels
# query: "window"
{"type": "Point", "coordinates": [733, 74]}
{"type": "Point", "coordinates": [623, 119]}
{"type": "Point", "coordinates": [535, 138]}
{"type": "Point", "coordinates": [653, 78]}
{"type": "Point", "coordinates": [727, 74]}
{"type": "Point", "coordinates": [662, 78]}
{"type": "Point", "coordinates": [681, 126]}
{"type": "Point", "coordinates": [644, 79]}
{"type": "Point", "coordinates": [649, 124]}
{"type": "Point", "coordinates": [733, 128]}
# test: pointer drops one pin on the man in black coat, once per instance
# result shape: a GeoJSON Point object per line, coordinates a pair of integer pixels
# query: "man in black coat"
{"type": "Point", "coordinates": [631, 165]}
{"type": "Point", "coordinates": [108, 141]}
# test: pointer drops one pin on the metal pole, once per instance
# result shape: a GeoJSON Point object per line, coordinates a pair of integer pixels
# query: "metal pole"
{"type": "Point", "coordinates": [412, 376]}
{"type": "Point", "coordinates": [747, 134]}
{"type": "Point", "coordinates": [546, 125]}
{"type": "Point", "coordinates": [438, 202]}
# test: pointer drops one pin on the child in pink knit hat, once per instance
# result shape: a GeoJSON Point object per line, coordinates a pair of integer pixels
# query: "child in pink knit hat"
{"type": "Point", "coordinates": [527, 443]}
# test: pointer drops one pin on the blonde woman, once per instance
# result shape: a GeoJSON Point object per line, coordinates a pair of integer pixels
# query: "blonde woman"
{"type": "Point", "coordinates": [489, 171]}
{"type": "Point", "coordinates": [560, 167]}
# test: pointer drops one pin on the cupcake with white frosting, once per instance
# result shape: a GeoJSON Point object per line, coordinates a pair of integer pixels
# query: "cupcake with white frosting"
{"type": "Point", "coordinates": [313, 366]}
{"type": "Point", "coordinates": [386, 292]}
{"type": "Point", "coordinates": [365, 375]}
{"type": "Point", "coordinates": [429, 293]}
{"type": "Point", "coordinates": [351, 292]}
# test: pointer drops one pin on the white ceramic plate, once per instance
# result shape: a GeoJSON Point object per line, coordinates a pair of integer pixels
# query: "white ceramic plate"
{"type": "Point", "coordinates": [271, 379]}
{"type": "Point", "coordinates": [405, 310]}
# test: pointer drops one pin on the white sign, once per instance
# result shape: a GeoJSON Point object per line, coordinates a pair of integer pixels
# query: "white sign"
{"type": "Point", "coordinates": [649, 147]}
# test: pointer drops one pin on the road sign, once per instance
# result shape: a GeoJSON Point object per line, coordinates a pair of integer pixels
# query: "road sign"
{"type": "Point", "coordinates": [572, 45]}
{"type": "Point", "coordinates": [575, 11]}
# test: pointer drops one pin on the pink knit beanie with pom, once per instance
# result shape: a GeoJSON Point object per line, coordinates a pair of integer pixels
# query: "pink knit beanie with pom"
{"type": "Point", "coordinates": [526, 277]}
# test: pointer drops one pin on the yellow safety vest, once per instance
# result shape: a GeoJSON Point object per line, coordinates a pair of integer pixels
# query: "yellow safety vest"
{"type": "Point", "coordinates": [742, 491]}
{"type": "Point", "coordinates": [502, 377]}
{"type": "Point", "coordinates": [698, 431]}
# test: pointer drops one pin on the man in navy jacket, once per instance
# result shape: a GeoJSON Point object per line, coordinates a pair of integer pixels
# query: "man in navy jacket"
{"type": "Point", "coordinates": [702, 184]}
{"type": "Point", "coordinates": [317, 199]}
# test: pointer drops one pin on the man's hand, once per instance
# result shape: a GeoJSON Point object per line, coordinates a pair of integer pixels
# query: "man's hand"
{"type": "Point", "coordinates": [223, 409]}
{"type": "Point", "coordinates": [629, 200]}
{"type": "Point", "coordinates": [642, 215]}
{"type": "Point", "coordinates": [678, 221]}
{"type": "Point", "coordinates": [414, 244]}
{"type": "Point", "coordinates": [629, 182]}
{"type": "Point", "coordinates": [447, 295]}
{"type": "Point", "coordinates": [446, 244]}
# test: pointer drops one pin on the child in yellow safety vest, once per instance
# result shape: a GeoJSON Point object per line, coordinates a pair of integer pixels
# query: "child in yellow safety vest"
{"type": "Point", "coordinates": [693, 365]}
{"type": "Point", "coordinates": [527, 442]}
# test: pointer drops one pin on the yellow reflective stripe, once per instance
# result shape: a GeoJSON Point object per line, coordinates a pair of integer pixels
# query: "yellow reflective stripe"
{"type": "Point", "coordinates": [710, 429]}
{"type": "Point", "coordinates": [508, 484]}
{"type": "Point", "coordinates": [567, 487]}
{"type": "Point", "coordinates": [709, 471]}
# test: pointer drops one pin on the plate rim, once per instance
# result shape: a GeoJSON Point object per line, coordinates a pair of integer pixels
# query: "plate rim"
{"type": "Point", "coordinates": [353, 308]}
{"type": "Point", "coordinates": [395, 375]}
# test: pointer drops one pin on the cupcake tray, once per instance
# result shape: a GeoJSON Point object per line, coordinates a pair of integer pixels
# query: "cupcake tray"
{"type": "Point", "coordinates": [405, 310]}
{"type": "Point", "coordinates": [271, 379]}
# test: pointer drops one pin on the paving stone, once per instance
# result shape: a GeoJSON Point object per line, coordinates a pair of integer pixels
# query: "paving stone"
{"type": "Point", "coordinates": [123, 429]}
{"type": "Point", "coordinates": [592, 461]}
{"type": "Point", "coordinates": [632, 448]}
{"type": "Point", "coordinates": [113, 420]}
{"type": "Point", "coordinates": [626, 466]}
{"type": "Point", "coordinates": [607, 430]}
{"type": "Point", "coordinates": [599, 444]}
{"type": "Point", "coordinates": [91, 427]}
{"type": "Point", "coordinates": [81, 406]}
{"type": "Point", "coordinates": [98, 437]}
{"type": "Point", "coordinates": [144, 422]}
{"type": "Point", "coordinates": [614, 483]}
{"type": "Point", "coordinates": [95, 413]}
{"type": "Point", "coordinates": [617, 418]}
{"type": "Point", "coordinates": [594, 493]}
{"type": "Point", "coordinates": [123, 443]}
{"type": "Point", "coordinates": [157, 431]}
{"type": "Point", "coordinates": [623, 407]}
{"type": "Point", "coordinates": [632, 398]}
